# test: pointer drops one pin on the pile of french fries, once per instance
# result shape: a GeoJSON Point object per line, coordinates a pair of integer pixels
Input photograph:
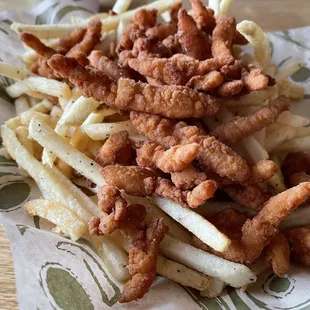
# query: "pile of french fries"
{"type": "Point", "coordinates": [56, 143]}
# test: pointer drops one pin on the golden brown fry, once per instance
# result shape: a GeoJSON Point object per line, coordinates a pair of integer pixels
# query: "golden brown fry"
{"type": "Point", "coordinates": [133, 180]}
{"type": "Point", "coordinates": [213, 155]}
{"type": "Point", "coordinates": [299, 177]}
{"type": "Point", "coordinates": [254, 79]}
{"type": "Point", "coordinates": [242, 127]}
{"type": "Point", "coordinates": [191, 38]}
{"type": "Point", "coordinates": [294, 163]}
{"type": "Point", "coordinates": [108, 66]}
{"type": "Point", "coordinates": [256, 233]}
{"type": "Point", "coordinates": [66, 43]}
{"type": "Point", "coordinates": [188, 178]}
{"type": "Point", "coordinates": [174, 159]}
{"type": "Point", "coordinates": [93, 82]}
{"type": "Point", "coordinates": [144, 249]}
{"type": "Point", "coordinates": [116, 150]}
{"type": "Point", "coordinates": [145, 19]}
{"type": "Point", "coordinates": [34, 43]}
{"type": "Point", "coordinates": [161, 31]}
{"type": "Point", "coordinates": [277, 255]}
{"type": "Point", "coordinates": [89, 41]}
{"type": "Point", "coordinates": [262, 171]}
{"type": "Point", "coordinates": [231, 88]}
{"type": "Point", "coordinates": [299, 239]}
{"type": "Point", "coordinates": [249, 196]}
{"type": "Point", "coordinates": [170, 101]}
{"type": "Point", "coordinates": [222, 36]}
{"type": "Point", "coordinates": [206, 82]}
{"type": "Point", "coordinates": [203, 16]}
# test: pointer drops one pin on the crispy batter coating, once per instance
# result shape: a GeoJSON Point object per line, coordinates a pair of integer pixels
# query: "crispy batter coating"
{"type": "Point", "coordinates": [90, 39]}
{"type": "Point", "coordinates": [249, 196]}
{"type": "Point", "coordinates": [232, 71]}
{"type": "Point", "coordinates": [242, 127]}
{"type": "Point", "coordinates": [191, 38]}
{"type": "Point", "coordinates": [144, 249]}
{"type": "Point", "coordinates": [128, 37]}
{"type": "Point", "coordinates": [203, 16]}
{"type": "Point", "coordinates": [262, 171]}
{"type": "Point", "coordinates": [171, 101]}
{"type": "Point", "coordinates": [299, 177]}
{"type": "Point", "coordinates": [222, 36]}
{"type": "Point", "coordinates": [174, 14]}
{"type": "Point", "coordinates": [230, 88]}
{"type": "Point", "coordinates": [33, 42]}
{"type": "Point", "coordinates": [188, 178]}
{"type": "Point", "coordinates": [41, 67]}
{"type": "Point", "coordinates": [108, 66]}
{"type": "Point", "coordinates": [206, 82]}
{"type": "Point", "coordinates": [174, 159]}
{"type": "Point", "coordinates": [113, 206]}
{"type": "Point", "coordinates": [145, 19]}
{"type": "Point", "coordinates": [299, 239]}
{"type": "Point", "coordinates": [133, 180]}
{"type": "Point", "coordinates": [213, 155]}
{"type": "Point", "coordinates": [277, 255]}
{"type": "Point", "coordinates": [123, 58]}
{"type": "Point", "coordinates": [116, 150]}
{"type": "Point", "coordinates": [66, 43]}
{"type": "Point", "coordinates": [93, 82]}
{"type": "Point", "coordinates": [172, 44]}
{"type": "Point", "coordinates": [294, 163]}
{"type": "Point", "coordinates": [201, 193]}
{"type": "Point", "coordinates": [239, 39]}
{"type": "Point", "coordinates": [256, 233]}
{"type": "Point", "coordinates": [254, 79]}
{"type": "Point", "coordinates": [161, 31]}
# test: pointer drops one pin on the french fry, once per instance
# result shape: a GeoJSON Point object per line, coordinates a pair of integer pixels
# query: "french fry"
{"type": "Point", "coordinates": [104, 44]}
{"type": "Point", "coordinates": [50, 140]}
{"type": "Point", "coordinates": [290, 90]}
{"type": "Point", "coordinates": [290, 69]}
{"type": "Point", "coordinates": [277, 181]}
{"type": "Point", "coordinates": [55, 115]}
{"type": "Point", "coordinates": [288, 119]}
{"type": "Point", "coordinates": [123, 24]}
{"type": "Point", "coordinates": [93, 148]}
{"type": "Point", "coordinates": [54, 212]}
{"type": "Point", "coordinates": [258, 39]}
{"type": "Point", "coordinates": [75, 94]}
{"type": "Point", "coordinates": [28, 115]}
{"type": "Point", "coordinates": [215, 6]}
{"type": "Point", "coordinates": [39, 84]}
{"type": "Point", "coordinates": [235, 275]}
{"type": "Point", "coordinates": [65, 168]}
{"type": "Point", "coordinates": [102, 131]}
{"type": "Point", "coordinates": [224, 7]}
{"type": "Point", "coordinates": [215, 289]}
{"type": "Point", "coordinates": [21, 105]}
{"type": "Point", "coordinates": [35, 95]}
{"type": "Point", "coordinates": [253, 98]}
{"type": "Point", "coordinates": [14, 72]}
{"type": "Point", "coordinates": [195, 223]}
{"type": "Point", "coordinates": [300, 144]}
{"type": "Point", "coordinates": [121, 6]}
{"type": "Point", "coordinates": [29, 57]}
{"type": "Point", "coordinates": [300, 217]}
{"type": "Point", "coordinates": [284, 133]}
{"type": "Point", "coordinates": [47, 31]}
{"type": "Point", "coordinates": [254, 149]}
{"type": "Point", "coordinates": [22, 134]}
{"type": "Point", "coordinates": [170, 269]}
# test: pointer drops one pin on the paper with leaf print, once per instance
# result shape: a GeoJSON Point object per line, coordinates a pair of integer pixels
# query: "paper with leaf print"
{"type": "Point", "coordinates": [55, 273]}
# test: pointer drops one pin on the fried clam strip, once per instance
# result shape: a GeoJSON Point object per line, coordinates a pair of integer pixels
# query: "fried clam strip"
{"type": "Point", "coordinates": [89, 41]}
{"type": "Point", "coordinates": [254, 79]}
{"type": "Point", "coordinates": [161, 31]}
{"type": "Point", "coordinates": [204, 17]}
{"type": "Point", "coordinates": [277, 255]}
{"type": "Point", "coordinates": [178, 69]}
{"type": "Point", "coordinates": [116, 150]}
{"type": "Point", "coordinates": [243, 127]}
{"type": "Point", "coordinates": [191, 38]}
{"type": "Point", "coordinates": [206, 82]}
{"type": "Point", "coordinates": [93, 82]}
{"type": "Point", "coordinates": [213, 155]}
{"type": "Point", "coordinates": [108, 66]}
{"type": "Point", "coordinates": [294, 163]}
{"type": "Point", "coordinates": [299, 239]}
{"type": "Point", "coordinates": [222, 36]}
{"type": "Point", "coordinates": [256, 233]}
{"type": "Point", "coordinates": [145, 19]}
{"type": "Point", "coordinates": [169, 100]}
{"type": "Point", "coordinates": [65, 44]}
{"type": "Point", "coordinates": [176, 158]}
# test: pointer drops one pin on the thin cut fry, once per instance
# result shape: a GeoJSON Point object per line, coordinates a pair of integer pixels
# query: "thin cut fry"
{"type": "Point", "coordinates": [294, 145]}
{"type": "Point", "coordinates": [40, 84]}
{"type": "Point", "coordinates": [224, 7]}
{"type": "Point", "coordinates": [214, 290]}
{"type": "Point", "coordinates": [288, 119]}
{"type": "Point", "coordinates": [21, 105]}
{"type": "Point", "coordinates": [121, 6]}
{"type": "Point", "coordinates": [258, 39]}
{"type": "Point", "coordinates": [277, 181]}
{"type": "Point", "coordinates": [59, 215]}
{"type": "Point", "coordinates": [102, 131]}
{"type": "Point", "coordinates": [14, 72]}
{"type": "Point", "coordinates": [215, 6]}
{"type": "Point", "coordinates": [289, 70]}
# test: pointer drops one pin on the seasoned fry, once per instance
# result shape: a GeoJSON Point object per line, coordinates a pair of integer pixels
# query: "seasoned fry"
{"type": "Point", "coordinates": [191, 38]}
{"type": "Point", "coordinates": [175, 159]}
{"type": "Point", "coordinates": [164, 100]}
